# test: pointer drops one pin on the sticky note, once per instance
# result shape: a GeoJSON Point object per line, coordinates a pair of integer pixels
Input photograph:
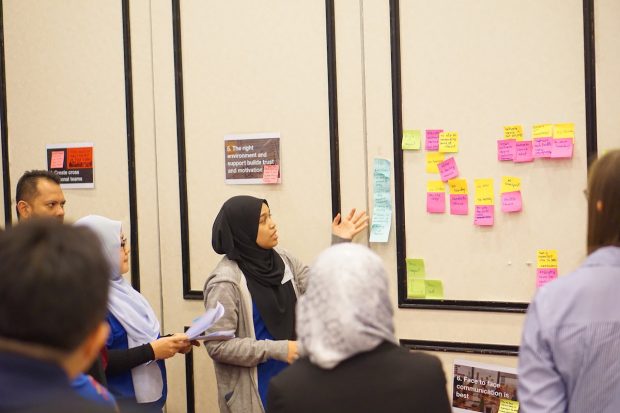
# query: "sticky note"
{"type": "Point", "coordinates": [508, 406]}
{"type": "Point", "coordinates": [513, 132]}
{"type": "Point", "coordinates": [562, 148]}
{"type": "Point", "coordinates": [458, 186]}
{"type": "Point", "coordinates": [412, 140]}
{"type": "Point", "coordinates": [506, 150]}
{"type": "Point", "coordinates": [270, 174]}
{"type": "Point", "coordinates": [547, 258]}
{"type": "Point", "coordinates": [543, 147]}
{"type": "Point", "coordinates": [436, 202]}
{"type": "Point", "coordinates": [511, 201]}
{"type": "Point", "coordinates": [484, 215]}
{"type": "Point", "coordinates": [58, 159]}
{"type": "Point", "coordinates": [432, 139]}
{"type": "Point", "coordinates": [511, 184]}
{"type": "Point", "coordinates": [416, 288]}
{"type": "Point", "coordinates": [448, 169]}
{"type": "Point", "coordinates": [432, 160]}
{"type": "Point", "coordinates": [545, 275]}
{"type": "Point", "coordinates": [484, 192]}
{"type": "Point", "coordinates": [448, 142]}
{"type": "Point", "coordinates": [563, 130]}
{"type": "Point", "coordinates": [524, 151]}
{"type": "Point", "coordinates": [543, 130]}
{"type": "Point", "coordinates": [435, 186]}
{"type": "Point", "coordinates": [434, 289]}
{"type": "Point", "coordinates": [459, 204]}
{"type": "Point", "coordinates": [416, 267]}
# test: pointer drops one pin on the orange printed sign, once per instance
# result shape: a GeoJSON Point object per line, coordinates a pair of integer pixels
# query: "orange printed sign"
{"type": "Point", "coordinates": [80, 158]}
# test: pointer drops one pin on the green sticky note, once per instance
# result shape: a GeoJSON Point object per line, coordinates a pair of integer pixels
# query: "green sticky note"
{"type": "Point", "coordinates": [415, 268]}
{"type": "Point", "coordinates": [412, 140]}
{"type": "Point", "coordinates": [434, 289]}
{"type": "Point", "coordinates": [416, 288]}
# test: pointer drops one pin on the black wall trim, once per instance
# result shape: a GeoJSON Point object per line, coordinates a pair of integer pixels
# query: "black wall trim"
{"type": "Point", "coordinates": [455, 347]}
{"type": "Point", "coordinates": [401, 242]}
{"type": "Point", "coordinates": [131, 151]}
{"type": "Point", "coordinates": [4, 130]}
{"type": "Point", "coordinates": [189, 379]}
{"type": "Point", "coordinates": [188, 293]}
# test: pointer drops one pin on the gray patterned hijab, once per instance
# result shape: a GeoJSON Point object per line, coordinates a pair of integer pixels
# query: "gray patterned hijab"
{"type": "Point", "coordinates": [346, 309]}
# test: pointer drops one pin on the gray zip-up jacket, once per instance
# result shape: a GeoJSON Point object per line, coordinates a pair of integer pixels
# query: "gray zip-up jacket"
{"type": "Point", "coordinates": [235, 360]}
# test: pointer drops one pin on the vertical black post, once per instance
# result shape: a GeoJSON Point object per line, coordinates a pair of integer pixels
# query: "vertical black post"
{"type": "Point", "coordinates": [4, 130]}
{"type": "Point", "coordinates": [590, 78]}
{"type": "Point", "coordinates": [332, 88]}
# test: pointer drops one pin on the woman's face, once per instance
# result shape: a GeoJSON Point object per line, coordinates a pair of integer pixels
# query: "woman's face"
{"type": "Point", "coordinates": [124, 254]}
{"type": "Point", "coordinates": [267, 236]}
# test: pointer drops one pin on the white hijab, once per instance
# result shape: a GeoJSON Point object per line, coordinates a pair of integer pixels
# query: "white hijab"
{"type": "Point", "coordinates": [129, 307]}
{"type": "Point", "coordinates": [346, 309]}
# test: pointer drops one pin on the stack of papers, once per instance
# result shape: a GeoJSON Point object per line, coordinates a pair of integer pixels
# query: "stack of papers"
{"type": "Point", "coordinates": [199, 326]}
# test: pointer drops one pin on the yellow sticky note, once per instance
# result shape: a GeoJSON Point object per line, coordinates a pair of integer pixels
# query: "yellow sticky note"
{"type": "Point", "coordinates": [432, 160]}
{"type": "Point", "coordinates": [412, 140]}
{"type": "Point", "coordinates": [511, 184]}
{"type": "Point", "coordinates": [435, 186]}
{"type": "Point", "coordinates": [484, 192]}
{"type": "Point", "coordinates": [415, 268]}
{"type": "Point", "coordinates": [458, 186]}
{"type": "Point", "coordinates": [434, 289]}
{"type": "Point", "coordinates": [508, 406]}
{"type": "Point", "coordinates": [547, 259]}
{"type": "Point", "coordinates": [563, 130]}
{"type": "Point", "coordinates": [416, 288]}
{"type": "Point", "coordinates": [543, 130]}
{"type": "Point", "coordinates": [448, 142]}
{"type": "Point", "coordinates": [513, 132]}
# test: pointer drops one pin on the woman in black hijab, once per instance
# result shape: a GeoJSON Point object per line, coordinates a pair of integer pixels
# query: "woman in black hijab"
{"type": "Point", "coordinates": [258, 287]}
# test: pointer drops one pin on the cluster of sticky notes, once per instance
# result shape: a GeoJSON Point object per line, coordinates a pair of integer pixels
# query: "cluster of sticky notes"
{"type": "Point", "coordinates": [417, 284]}
{"type": "Point", "coordinates": [484, 204]}
{"type": "Point", "coordinates": [546, 266]}
{"type": "Point", "coordinates": [511, 194]}
{"type": "Point", "coordinates": [435, 140]}
{"type": "Point", "coordinates": [548, 141]}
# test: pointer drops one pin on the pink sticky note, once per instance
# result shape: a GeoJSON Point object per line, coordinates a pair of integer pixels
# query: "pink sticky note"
{"type": "Point", "coordinates": [448, 169]}
{"type": "Point", "coordinates": [58, 159]}
{"type": "Point", "coordinates": [524, 151]}
{"type": "Point", "coordinates": [484, 215]}
{"type": "Point", "coordinates": [545, 275]}
{"type": "Point", "coordinates": [562, 148]}
{"type": "Point", "coordinates": [432, 139]}
{"type": "Point", "coordinates": [511, 201]}
{"type": "Point", "coordinates": [270, 174]}
{"type": "Point", "coordinates": [458, 204]}
{"type": "Point", "coordinates": [542, 147]}
{"type": "Point", "coordinates": [436, 202]}
{"type": "Point", "coordinates": [505, 149]}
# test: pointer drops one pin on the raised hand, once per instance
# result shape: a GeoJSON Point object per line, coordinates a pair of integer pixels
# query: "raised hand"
{"type": "Point", "coordinates": [351, 225]}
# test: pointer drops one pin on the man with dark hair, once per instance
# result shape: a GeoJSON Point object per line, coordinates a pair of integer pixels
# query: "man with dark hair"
{"type": "Point", "coordinates": [53, 298]}
{"type": "Point", "coordinates": [38, 194]}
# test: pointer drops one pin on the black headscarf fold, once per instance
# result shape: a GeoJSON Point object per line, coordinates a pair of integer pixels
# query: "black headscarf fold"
{"type": "Point", "coordinates": [234, 234]}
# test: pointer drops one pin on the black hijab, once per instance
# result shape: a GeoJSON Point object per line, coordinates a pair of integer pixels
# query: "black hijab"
{"type": "Point", "coordinates": [234, 234]}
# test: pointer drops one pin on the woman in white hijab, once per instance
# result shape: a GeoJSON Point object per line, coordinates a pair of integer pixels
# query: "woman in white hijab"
{"type": "Point", "coordinates": [350, 358]}
{"type": "Point", "coordinates": [138, 383]}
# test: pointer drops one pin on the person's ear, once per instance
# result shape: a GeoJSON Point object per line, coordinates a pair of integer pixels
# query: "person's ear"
{"type": "Point", "coordinates": [599, 206]}
{"type": "Point", "coordinates": [24, 209]}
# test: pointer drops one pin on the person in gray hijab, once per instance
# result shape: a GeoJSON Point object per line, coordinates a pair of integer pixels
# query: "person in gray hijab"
{"type": "Point", "coordinates": [350, 360]}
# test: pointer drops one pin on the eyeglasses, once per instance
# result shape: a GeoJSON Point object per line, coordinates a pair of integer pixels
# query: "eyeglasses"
{"type": "Point", "coordinates": [123, 242]}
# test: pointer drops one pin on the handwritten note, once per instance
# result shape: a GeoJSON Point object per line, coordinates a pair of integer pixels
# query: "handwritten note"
{"type": "Point", "coordinates": [547, 258]}
{"type": "Point", "coordinates": [58, 159]}
{"type": "Point", "coordinates": [545, 275]}
{"type": "Point", "coordinates": [542, 130]}
{"type": "Point", "coordinates": [432, 160]}
{"type": "Point", "coordinates": [459, 204]}
{"type": "Point", "coordinates": [458, 186]}
{"type": "Point", "coordinates": [484, 215]}
{"type": "Point", "coordinates": [513, 132]}
{"type": "Point", "coordinates": [524, 151]}
{"type": "Point", "coordinates": [412, 140]}
{"type": "Point", "coordinates": [416, 267]}
{"type": "Point", "coordinates": [432, 139]}
{"type": "Point", "coordinates": [448, 169]}
{"type": "Point", "coordinates": [508, 406]}
{"type": "Point", "coordinates": [436, 202]}
{"type": "Point", "coordinates": [564, 130]}
{"type": "Point", "coordinates": [543, 147]}
{"type": "Point", "coordinates": [416, 288]}
{"type": "Point", "coordinates": [271, 174]}
{"type": "Point", "coordinates": [510, 184]}
{"type": "Point", "coordinates": [511, 201]}
{"type": "Point", "coordinates": [484, 192]}
{"type": "Point", "coordinates": [382, 204]}
{"type": "Point", "coordinates": [434, 289]}
{"type": "Point", "coordinates": [506, 150]}
{"type": "Point", "coordinates": [562, 148]}
{"type": "Point", "coordinates": [448, 142]}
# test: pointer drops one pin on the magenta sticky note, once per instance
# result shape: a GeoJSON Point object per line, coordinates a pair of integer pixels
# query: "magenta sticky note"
{"type": "Point", "coordinates": [542, 147]}
{"type": "Point", "coordinates": [506, 149]}
{"type": "Point", "coordinates": [545, 275]}
{"type": "Point", "coordinates": [511, 201]}
{"type": "Point", "coordinates": [58, 159]}
{"type": "Point", "coordinates": [448, 169]}
{"type": "Point", "coordinates": [484, 215]}
{"type": "Point", "coordinates": [562, 148]}
{"type": "Point", "coordinates": [436, 202]}
{"type": "Point", "coordinates": [271, 174]}
{"type": "Point", "coordinates": [458, 204]}
{"type": "Point", "coordinates": [524, 151]}
{"type": "Point", "coordinates": [432, 139]}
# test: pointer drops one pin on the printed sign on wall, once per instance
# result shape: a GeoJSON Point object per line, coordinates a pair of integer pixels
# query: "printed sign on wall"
{"type": "Point", "coordinates": [73, 163]}
{"type": "Point", "coordinates": [252, 158]}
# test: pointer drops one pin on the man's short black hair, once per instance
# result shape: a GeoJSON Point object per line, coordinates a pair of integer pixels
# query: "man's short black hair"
{"type": "Point", "coordinates": [54, 284]}
{"type": "Point", "coordinates": [27, 184]}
